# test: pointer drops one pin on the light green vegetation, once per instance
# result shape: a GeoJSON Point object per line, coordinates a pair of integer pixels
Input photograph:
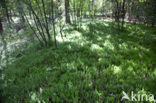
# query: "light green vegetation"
{"type": "Point", "coordinates": [92, 65]}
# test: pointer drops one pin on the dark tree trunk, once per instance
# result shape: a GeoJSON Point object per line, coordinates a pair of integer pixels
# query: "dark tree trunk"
{"type": "Point", "coordinates": [7, 14]}
{"type": "Point", "coordinates": [1, 26]}
{"type": "Point", "coordinates": [123, 14]}
{"type": "Point", "coordinates": [67, 6]}
{"type": "Point", "coordinates": [154, 12]}
{"type": "Point", "coordinates": [117, 14]}
{"type": "Point", "coordinates": [78, 12]}
{"type": "Point", "coordinates": [4, 6]}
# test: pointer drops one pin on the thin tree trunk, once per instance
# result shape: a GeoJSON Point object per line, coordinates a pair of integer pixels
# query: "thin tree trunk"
{"type": "Point", "coordinates": [32, 29]}
{"type": "Point", "coordinates": [6, 11]}
{"type": "Point", "coordinates": [1, 26]}
{"type": "Point", "coordinates": [47, 27]}
{"type": "Point", "coordinates": [117, 14]}
{"type": "Point", "coordinates": [67, 7]}
{"type": "Point", "coordinates": [37, 21]}
{"type": "Point", "coordinates": [123, 14]}
{"type": "Point", "coordinates": [93, 10]}
{"type": "Point", "coordinates": [53, 22]}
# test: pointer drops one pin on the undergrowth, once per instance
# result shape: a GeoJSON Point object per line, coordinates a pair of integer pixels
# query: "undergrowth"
{"type": "Point", "coordinates": [94, 68]}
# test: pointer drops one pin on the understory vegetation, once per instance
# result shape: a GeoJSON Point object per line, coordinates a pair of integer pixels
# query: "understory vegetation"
{"type": "Point", "coordinates": [89, 66]}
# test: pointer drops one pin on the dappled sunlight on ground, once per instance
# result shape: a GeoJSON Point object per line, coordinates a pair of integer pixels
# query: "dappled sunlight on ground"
{"type": "Point", "coordinates": [108, 45]}
{"type": "Point", "coordinates": [93, 62]}
{"type": "Point", "coordinates": [95, 47]}
{"type": "Point", "coordinates": [128, 51]}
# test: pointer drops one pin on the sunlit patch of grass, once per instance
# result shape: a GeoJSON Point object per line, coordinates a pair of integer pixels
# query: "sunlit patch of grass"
{"type": "Point", "coordinates": [95, 47]}
{"type": "Point", "coordinates": [108, 45]}
{"type": "Point", "coordinates": [116, 69]}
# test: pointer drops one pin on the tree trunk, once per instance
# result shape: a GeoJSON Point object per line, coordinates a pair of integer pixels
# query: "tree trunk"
{"type": "Point", "coordinates": [47, 28]}
{"type": "Point", "coordinates": [78, 12]}
{"type": "Point", "coordinates": [93, 14]}
{"type": "Point", "coordinates": [67, 6]}
{"type": "Point", "coordinates": [1, 26]}
{"type": "Point", "coordinates": [4, 6]}
{"type": "Point", "coordinates": [38, 24]}
{"type": "Point", "coordinates": [123, 14]}
{"type": "Point", "coordinates": [42, 44]}
{"type": "Point", "coordinates": [53, 23]}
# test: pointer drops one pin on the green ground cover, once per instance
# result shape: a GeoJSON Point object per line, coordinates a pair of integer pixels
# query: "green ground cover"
{"type": "Point", "coordinates": [92, 65]}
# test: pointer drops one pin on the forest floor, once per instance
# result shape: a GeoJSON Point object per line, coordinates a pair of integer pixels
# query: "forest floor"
{"type": "Point", "coordinates": [93, 64]}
